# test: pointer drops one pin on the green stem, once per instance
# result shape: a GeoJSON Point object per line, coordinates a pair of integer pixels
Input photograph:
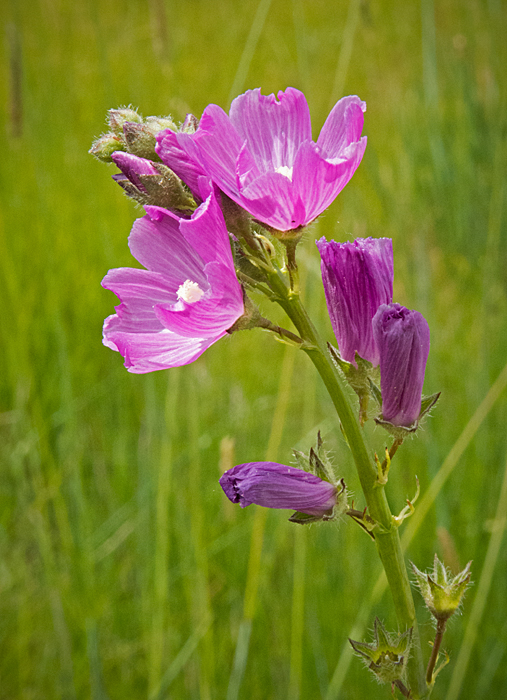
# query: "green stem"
{"type": "Point", "coordinates": [386, 535]}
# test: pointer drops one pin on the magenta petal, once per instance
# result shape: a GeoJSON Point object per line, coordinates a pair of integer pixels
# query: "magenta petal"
{"type": "Point", "coordinates": [206, 318]}
{"type": "Point", "coordinates": [275, 485]}
{"type": "Point", "coordinates": [206, 232]}
{"type": "Point", "coordinates": [271, 199]}
{"type": "Point", "coordinates": [210, 316]}
{"type": "Point", "coordinates": [179, 152]}
{"type": "Point", "coordinates": [342, 127]}
{"type": "Point", "coordinates": [318, 181]}
{"type": "Point", "coordinates": [273, 128]}
{"type": "Point", "coordinates": [128, 282]}
{"type": "Point", "coordinates": [148, 352]}
{"type": "Point", "coordinates": [158, 245]}
{"type": "Point", "coordinates": [263, 138]}
{"type": "Point", "coordinates": [219, 145]}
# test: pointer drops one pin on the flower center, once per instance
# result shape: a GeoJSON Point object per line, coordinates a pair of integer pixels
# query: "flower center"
{"type": "Point", "coordinates": [285, 170]}
{"type": "Point", "coordinates": [190, 292]}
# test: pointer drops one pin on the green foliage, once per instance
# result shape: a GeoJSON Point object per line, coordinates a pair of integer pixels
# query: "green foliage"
{"type": "Point", "coordinates": [122, 566]}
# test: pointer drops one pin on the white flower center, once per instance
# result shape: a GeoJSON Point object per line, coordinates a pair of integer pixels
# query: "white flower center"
{"type": "Point", "coordinates": [285, 170]}
{"type": "Point", "coordinates": [190, 292]}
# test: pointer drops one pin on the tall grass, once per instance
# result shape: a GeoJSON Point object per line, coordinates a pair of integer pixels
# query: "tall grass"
{"type": "Point", "coordinates": [123, 571]}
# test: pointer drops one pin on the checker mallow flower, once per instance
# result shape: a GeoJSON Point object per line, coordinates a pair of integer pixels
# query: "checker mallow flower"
{"type": "Point", "coordinates": [403, 341]}
{"type": "Point", "coordinates": [186, 299]}
{"type": "Point", "coordinates": [275, 485]}
{"type": "Point", "coordinates": [357, 278]}
{"type": "Point", "coordinates": [263, 157]}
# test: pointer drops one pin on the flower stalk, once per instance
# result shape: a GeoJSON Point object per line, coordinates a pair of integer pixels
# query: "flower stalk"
{"type": "Point", "coordinates": [441, 624]}
{"type": "Point", "coordinates": [386, 534]}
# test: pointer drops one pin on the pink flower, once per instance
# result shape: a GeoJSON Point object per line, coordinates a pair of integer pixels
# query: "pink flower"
{"type": "Point", "coordinates": [186, 299]}
{"type": "Point", "coordinates": [263, 157]}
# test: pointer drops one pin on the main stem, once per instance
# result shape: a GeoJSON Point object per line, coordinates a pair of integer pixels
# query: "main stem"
{"type": "Point", "coordinates": [386, 534]}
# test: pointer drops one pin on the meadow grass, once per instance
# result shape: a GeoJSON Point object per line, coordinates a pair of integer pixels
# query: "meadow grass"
{"type": "Point", "coordinates": [124, 573]}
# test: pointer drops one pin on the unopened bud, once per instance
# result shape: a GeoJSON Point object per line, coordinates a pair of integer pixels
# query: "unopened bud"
{"type": "Point", "coordinates": [116, 118]}
{"type": "Point", "coordinates": [156, 124]}
{"type": "Point", "coordinates": [140, 141]}
{"type": "Point", "coordinates": [104, 147]}
{"type": "Point", "coordinates": [441, 591]}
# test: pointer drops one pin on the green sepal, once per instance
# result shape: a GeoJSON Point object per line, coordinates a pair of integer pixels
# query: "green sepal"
{"type": "Point", "coordinates": [442, 592]}
{"type": "Point", "coordinates": [140, 141]}
{"type": "Point", "coordinates": [427, 403]}
{"type": "Point", "coordinates": [399, 431]}
{"type": "Point", "coordinates": [386, 657]}
{"type": "Point", "coordinates": [362, 377]}
{"type": "Point", "coordinates": [375, 392]}
{"type": "Point", "coordinates": [133, 192]}
{"type": "Point", "coordinates": [317, 462]}
{"type": "Point", "coordinates": [167, 190]}
{"type": "Point", "coordinates": [303, 518]}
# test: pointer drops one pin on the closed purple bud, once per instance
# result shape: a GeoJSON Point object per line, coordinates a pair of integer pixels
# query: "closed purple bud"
{"type": "Point", "coordinates": [403, 340]}
{"type": "Point", "coordinates": [275, 485]}
{"type": "Point", "coordinates": [357, 278]}
{"type": "Point", "coordinates": [131, 167]}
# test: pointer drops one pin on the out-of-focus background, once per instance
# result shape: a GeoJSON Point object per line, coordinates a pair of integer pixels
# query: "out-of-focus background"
{"type": "Point", "coordinates": [124, 572]}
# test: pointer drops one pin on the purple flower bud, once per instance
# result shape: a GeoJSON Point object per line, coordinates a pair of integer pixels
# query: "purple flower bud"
{"type": "Point", "coordinates": [403, 340]}
{"type": "Point", "coordinates": [275, 485]}
{"type": "Point", "coordinates": [357, 278]}
{"type": "Point", "coordinates": [131, 167]}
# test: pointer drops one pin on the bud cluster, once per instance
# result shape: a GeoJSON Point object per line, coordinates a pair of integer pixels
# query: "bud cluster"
{"type": "Point", "coordinates": [129, 132]}
{"type": "Point", "coordinates": [130, 144]}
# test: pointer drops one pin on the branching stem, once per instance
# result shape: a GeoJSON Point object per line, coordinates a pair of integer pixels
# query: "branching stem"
{"type": "Point", "coordinates": [386, 538]}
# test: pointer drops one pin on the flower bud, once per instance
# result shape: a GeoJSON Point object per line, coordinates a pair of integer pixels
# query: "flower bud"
{"type": "Point", "coordinates": [441, 591]}
{"type": "Point", "coordinates": [358, 278]}
{"type": "Point", "coordinates": [387, 656]}
{"type": "Point", "coordinates": [152, 183]}
{"type": "Point", "coordinates": [310, 489]}
{"type": "Point", "coordinates": [140, 140]}
{"type": "Point", "coordinates": [132, 167]}
{"type": "Point", "coordinates": [104, 147]}
{"type": "Point", "coordinates": [156, 124]}
{"type": "Point", "coordinates": [116, 118]}
{"type": "Point", "coordinates": [275, 485]}
{"type": "Point", "coordinates": [403, 340]}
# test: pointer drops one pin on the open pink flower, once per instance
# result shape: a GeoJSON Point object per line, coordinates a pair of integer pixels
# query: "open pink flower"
{"type": "Point", "coordinates": [186, 299]}
{"type": "Point", "coordinates": [263, 157]}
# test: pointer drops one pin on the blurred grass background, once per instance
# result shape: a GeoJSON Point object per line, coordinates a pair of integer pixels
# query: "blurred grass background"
{"type": "Point", "coordinates": [123, 569]}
